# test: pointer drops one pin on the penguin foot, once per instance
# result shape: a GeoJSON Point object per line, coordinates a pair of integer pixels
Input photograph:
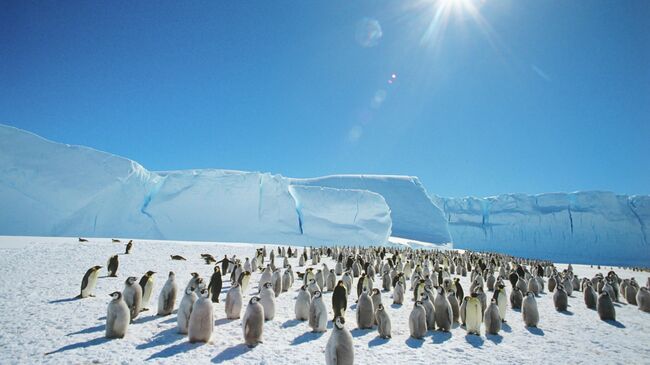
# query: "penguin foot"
{"type": "Point", "coordinates": [144, 309]}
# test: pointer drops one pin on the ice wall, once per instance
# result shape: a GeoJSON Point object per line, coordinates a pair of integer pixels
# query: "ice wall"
{"type": "Point", "coordinates": [581, 227]}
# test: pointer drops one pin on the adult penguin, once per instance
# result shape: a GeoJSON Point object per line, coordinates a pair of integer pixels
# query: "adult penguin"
{"type": "Point", "coordinates": [339, 299]}
{"type": "Point", "coordinates": [113, 264]}
{"type": "Point", "coordinates": [501, 300]}
{"type": "Point", "coordinates": [460, 293]}
{"type": "Point", "coordinates": [339, 349]}
{"type": "Point", "coordinates": [167, 297]}
{"type": "Point", "coordinates": [129, 246]}
{"type": "Point", "coordinates": [224, 264]}
{"type": "Point", "coordinates": [253, 322]}
{"type": "Point", "coordinates": [473, 316]}
{"type": "Point", "coordinates": [89, 282]}
{"type": "Point", "coordinates": [146, 283]}
{"type": "Point", "coordinates": [214, 287]}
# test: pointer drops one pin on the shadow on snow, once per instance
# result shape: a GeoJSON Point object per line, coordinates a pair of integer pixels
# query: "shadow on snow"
{"type": "Point", "coordinates": [378, 341]}
{"type": "Point", "coordinates": [306, 337]}
{"type": "Point", "coordinates": [78, 345]}
{"type": "Point", "coordinates": [536, 331]}
{"type": "Point", "coordinates": [98, 328]}
{"type": "Point", "coordinates": [174, 350]}
{"type": "Point", "coordinates": [474, 340]}
{"type": "Point", "coordinates": [231, 353]}
{"type": "Point", "coordinates": [440, 336]}
{"type": "Point", "coordinates": [165, 337]}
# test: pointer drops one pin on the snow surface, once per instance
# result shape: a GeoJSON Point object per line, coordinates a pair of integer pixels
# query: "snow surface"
{"type": "Point", "coordinates": [587, 227]}
{"type": "Point", "coordinates": [41, 276]}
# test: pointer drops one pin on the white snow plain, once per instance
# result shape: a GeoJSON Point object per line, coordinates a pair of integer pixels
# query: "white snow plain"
{"type": "Point", "coordinates": [41, 276]}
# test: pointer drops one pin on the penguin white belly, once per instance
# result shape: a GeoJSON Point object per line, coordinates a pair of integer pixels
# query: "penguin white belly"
{"type": "Point", "coordinates": [90, 286]}
{"type": "Point", "coordinates": [502, 303]}
{"type": "Point", "coordinates": [146, 294]}
{"type": "Point", "coordinates": [473, 317]}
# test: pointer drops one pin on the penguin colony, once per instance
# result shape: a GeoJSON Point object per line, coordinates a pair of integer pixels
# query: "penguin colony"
{"type": "Point", "coordinates": [425, 280]}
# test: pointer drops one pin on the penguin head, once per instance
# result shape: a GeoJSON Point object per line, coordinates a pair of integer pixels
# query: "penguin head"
{"type": "Point", "coordinates": [423, 296]}
{"type": "Point", "coordinates": [303, 288]}
{"type": "Point", "coordinates": [116, 295]}
{"type": "Point", "coordinates": [375, 291]}
{"type": "Point", "coordinates": [317, 294]}
{"type": "Point", "coordinates": [150, 273]}
{"type": "Point", "coordinates": [418, 303]}
{"type": "Point", "coordinates": [217, 269]}
{"type": "Point", "coordinates": [380, 307]}
{"type": "Point", "coordinates": [131, 280]}
{"type": "Point", "coordinates": [97, 267]}
{"type": "Point", "coordinates": [195, 275]}
{"type": "Point", "coordinates": [235, 284]}
{"type": "Point", "coordinates": [254, 300]}
{"type": "Point", "coordinates": [339, 322]}
{"type": "Point", "coordinates": [268, 285]}
{"type": "Point", "coordinates": [171, 275]}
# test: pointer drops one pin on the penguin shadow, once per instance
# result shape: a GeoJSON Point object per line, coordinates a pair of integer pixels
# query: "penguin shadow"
{"type": "Point", "coordinates": [440, 336]}
{"type": "Point", "coordinates": [102, 318]}
{"type": "Point", "coordinates": [353, 306]}
{"type": "Point", "coordinates": [395, 306]}
{"type": "Point", "coordinates": [566, 312]}
{"type": "Point", "coordinates": [506, 327]}
{"type": "Point", "coordinates": [292, 323]}
{"type": "Point", "coordinates": [535, 331]}
{"type": "Point", "coordinates": [306, 337]}
{"type": "Point", "coordinates": [614, 323]}
{"type": "Point", "coordinates": [64, 300]}
{"type": "Point", "coordinates": [231, 353]}
{"type": "Point", "coordinates": [174, 350]}
{"type": "Point", "coordinates": [496, 339]}
{"type": "Point", "coordinates": [78, 345]}
{"type": "Point", "coordinates": [145, 319]}
{"type": "Point", "coordinates": [221, 321]}
{"type": "Point", "coordinates": [165, 337]}
{"type": "Point", "coordinates": [378, 341]}
{"type": "Point", "coordinates": [474, 340]}
{"type": "Point", "coordinates": [414, 343]}
{"type": "Point", "coordinates": [358, 332]}
{"type": "Point", "coordinates": [98, 328]}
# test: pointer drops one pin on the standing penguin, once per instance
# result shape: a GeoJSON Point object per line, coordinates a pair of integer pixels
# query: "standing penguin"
{"type": "Point", "coordinates": [132, 294]}
{"type": "Point", "coordinates": [303, 302]}
{"type": "Point", "coordinates": [117, 316]}
{"type": "Point", "coordinates": [492, 318]}
{"type": "Point", "coordinates": [529, 310]}
{"type": "Point", "coordinates": [502, 300]}
{"type": "Point", "coordinates": [398, 293]}
{"type": "Point", "coordinates": [590, 296]}
{"type": "Point", "coordinates": [317, 313]}
{"type": "Point", "coordinates": [201, 322]}
{"type": "Point", "coordinates": [129, 246]}
{"type": "Point", "coordinates": [243, 280]}
{"type": "Point", "coordinates": [214, 287]}
{"type": "Point", "coordinates": [276, 280]}
{"type": "Point", "coordinates": [473, 315]}
{"type": "Point", "coordinates": [167, 297]}
{"type": "Point", "coordinates": [340, 299]}
{"type": "Point", "coordinates": [418, 321]}
{"type": "Point", "coordinates": [253, 322]}
{"type": "Point", "coordinates": [560, 299]}
{"type": "Point", "coordinates": [330, 282]}
{"type": "Point", "coordinates": [267, 299]}
{"type": "Point", "coordinates": [463, 311]}
{"type": "Point", "coordinates": [339, 349]}
{"type": "Point", "coordinates": [365, 311]}
{"type": "Point", "coordinates": [455, 307]}
{"type": "Point", "coordinates": [185, 309]}
{"type": "Point", "coordinates": [113, 264]}
{"type": "Point", "coordinates": [383, 322]}
{"type": "Point", "coordinates": [516, 298]}
{"type": "Point", "coordinates": [643, 299]}
{"type": "Point", "coordinates": [89, 282]}
{"type": "Point", "coordinates": [443, 311]}
{"type": "Point", "coordinates": [605, 307]}
{"type": "Point", "coordinates": [146, 283]}
{"type": "Point", "coordinates": [234, 302]}
{"type": "Point", "coordinates": [431, 313]}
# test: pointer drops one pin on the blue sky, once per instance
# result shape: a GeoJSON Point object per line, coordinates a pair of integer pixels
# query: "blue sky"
{"type": "Point", "coordinates": [489, 97]}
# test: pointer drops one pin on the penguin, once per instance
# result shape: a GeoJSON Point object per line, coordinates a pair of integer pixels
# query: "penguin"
{"type": "Point", "coordinates": [643, 299]}
{"type": "Point", "coordinates": [533, 286]}
{"type": "Point", "coordinates": [82, 239]}
{"type": "Point", "coordinates": [89, 282]}
{"type": "Point", "coordinates": [375, 296]}
{"type": "Point", "coordinates": [146, 283]}
{"type": "Point", "coordinates": [253, 322]}
{"type": "Point", "coordinates": [365, 311]}
{"type": "Point", "coordinates": [330, 281]}
{"type": "Point", "coordinates": [590, 296]}
{"type": "Point", "coordinates": [605, 307]}
{"type": "Point", "coordinates": [460, 294]}
{"type": "Point", "coordinates": [201, 322]}
{"type": "Point", "coordinates": [167, 297]}
{"type": "Point", "coordinates": [339, 299]}
{"type": "Point", "coordinates": [443, 311]}
{"type": "Point", "coordinates": [418, 321]}
{"type": "Point", "coordinates": [115, 240]}
{"type": "Point", "coordinates": [455, 307]}
{"type": "Point", "coordinates": [178, 257]}
{"type": "Point", "coordinates": [492, 318]}
{"type": "Point", "coordinates": [347, 280]}
{"type": "Point", "coordinates": [266, 277]}
{"type": "Point", "coordinates": [214, 287]}
{"type": "Point", "coordinates": [529, 310]}
{"type": "Point", "coordinates": [185, 309]}
{"type": "Point", "coordinates": [243, 280]}
{"type": "Point", "coordinates": [303, 303]}
{"type": "Point", "coordinates": [194, 281]}
{"type": "Point", "coordinates": [129, 246]}
{"type": "Point", "coordinates": [501, 299]}
{"type": "Point", "coordinates": [276, 280]}
{"type": "Point", "coordinates": [398, 293]}
{"type": "Point", "coordinates": [431, 313]}
{"type": "Point", "coordinates": [383, 322]}
{"type": "Point", "coordinates": [113, 264]}
{"type": "Point", "coordinates": [267, 299]}
{"type": "Point", "coordinates": [132, 295]}
{"type": "Point", "coordinates": [463, 311]}
{"type": "Point", "coordinates": [339, 349]}
{"type": "Point", "coordinates": [225, 262]}
{"type": "Point", "coordinates": [286, 279]}
{"type": "Point", "coordinates": [117, 316]}
{"type": "Point", "coordinates": [516, 298]}
{"type": "Point", "coordinates": [473, 316]}
{"type": "Point", "coordinates": [234, 302]}
{"type": "Point", "coordinates": [630, 292]}
{"type": "Point", "coordinates": [317, 313]}
{"type": "Point", "coordinates": [560, 298]}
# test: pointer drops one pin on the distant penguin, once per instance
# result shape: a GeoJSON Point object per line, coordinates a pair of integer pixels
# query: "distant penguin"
{"type": "Point", "coordinates": [643, 299]}
{"type": "Point", "coordinates": [339, 299]}
{"type": "Point", "coordinates": [492, 318]}
{"type": "Point", "coordinates": [167, 297]}
{"type": "Point", "coordinates": [201, 322]}
{"type": "Point", "coordinates": [113, 264]}
{"type": "Point", "coordinates": [146, 283]}
{"type": "Point", "coordinates": [303, 302]}
{"type": "Point", "coordinates": [560, 299]}
{"type": "Point", "coordinates": [365, 311]}
{"type": "Point", "coordinates": [253, 322]}
{"type": "Point", "coordinates": [178, 257]}
{"type": "Point", "coordinates": [605, 307]}
{"type": "Point", "coordinates": [443, 311]}
{"type": "Point", "coordinates": [117, 316]}
{"type": "Point", "coordinates": [129, 246]}
{"type": "Point", "coordinates": [234, 302]}
{"type": "Point", "coordinates": [214, 287]}
{"type": "Point", "coordinates": [383, 322]}
{"type": "Point", "coordinates": [89, 282]}
{"type": "Point", "coordinates": [339, 349]}
{"type": "Point", "coordinates": [317, 313]}
{"type": "Point", "coordinates": [132, 295]}
{"type": "Point", "coordinates": [418, 321]}
{"type": "Point", "coordinates": [590, 296]}
{"type": "Point", "coordinates": [516, 298]}
{"type": "Point", "coordinates": [529, 310]}
{"type": "Point", "coordinates": [267, 299]}
{"type": "Point", "coordinates": [473, 316]}
{"type": "Point", "coordinates": [185, 309]}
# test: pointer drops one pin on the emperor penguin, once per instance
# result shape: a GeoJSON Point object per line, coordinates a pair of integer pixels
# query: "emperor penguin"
{"type": "Point", "coordinates": [214, 287]}
{"type": "Point", "coordinates": [443, 310]}
{"type": "Point", "coordinates": [132, 294]}
{"type": "Point", "coordinates": [276, 280]}
{"type": "Point", "coordinates": [560, 299]}
{"type": "Point", "coordinates": [117, 316]}
{"type": "Point", "coordinates": [383, 322]}
{"type": "Point", "coordinates": [630, 292]}
{"type": "Point", "coordinates": [533, 286]}
{"type": "Point", "coordinates": [303, 302]}
{"type": "Point", "coordinates": [194, 281]}
{"type": "Point", "coordinates": [338, 268]}
{"type": "Point", "coordinates": [643, 299]}
{"type": "Point", "coordinates": [455, 307]}
{"type": "Point", "coordinates": [185, 309]}
{"type": "Point", "coordinates": [266, 277]}
{"type": "Point", "coordinates": [234, 302]}
{"type": "Point", "coordinates": [502, 300]}
{"type": "Point", "coordinates": [375, 296]}
{"type": "Point", "coordinates": [365, 311]}
{"type": "Point", "coordinates": [285, 262]}
{"type": "Point", "coordinates": [516, 298]}
{"type": "Point", "coordinates": [243, 281]}
{"type": "Point", "coordinates": [552, 283]}
{"type": "Point", "coordinates": [89, 282]}
{"type": "Point", "coordinates": [339, 299]}
{"type": "Point", "coordinates": [529, 310]}
{"type": "Point", "coordinates": [492, 318]}
{"type": "Point", "coordinates": [460, 293]}
{"type": "Point", "coordinates": [431, 312]}
{"type": "Point", "coordinates": [113, 264]}
{"type": "Point", "coordinates": [167, 297]}
{"type": "Point", "coordinates": [339, 349]}
{"type": "Point", "coordinates": [247, 265]}
{"type": "Point", "coordinates": [347, 280]}
{"type": "Point", "coordinates": [522, 285]}
{"type": "Point", "coordinates": [317, 313]}
{"type": "Point", "coordinates": [267, 299]}
{"type": "Point", "coordinates": [605, 307]}
{"type": "Point", "coordinates": [330, 282]}
{"type": "Point", "coordinates": [418, 321]}
{"type": "Point", "coordinates": [398, 293]}
{"type": "Point", "coordinates": [146, 283]}
{"type": "Point", "coordinates": [129, 246]}
{"type": "Point", "coordinates": [286, 280]}
{"type": "Point", "coordinates": [590, 296]}
{"type": "Point", "coordinates": [463, 311]}
{"type": "Point", "coordinates": [253, 322]}
{"type": "Point", "coordinates": [386, 281]}
{"type": "Point", "coordinates": [201, 322]}
{"type": "Point", "coordinates": [473, 316]}
{"type": "Point", "coordinates": [312, 287]}
{"type": "Point", "coordinates": [320, 279]}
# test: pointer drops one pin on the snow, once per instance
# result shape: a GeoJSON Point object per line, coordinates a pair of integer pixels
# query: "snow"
{"type": "Point", "coordinates": [587, 227]}
{"type": "Point", "coordinates": [41, 276]}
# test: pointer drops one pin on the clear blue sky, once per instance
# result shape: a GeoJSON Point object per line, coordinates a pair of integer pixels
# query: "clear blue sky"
{"type": "Point", "coordinates": [489, 97]}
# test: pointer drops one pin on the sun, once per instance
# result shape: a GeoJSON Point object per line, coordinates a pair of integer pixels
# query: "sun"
{"type": "Point", "coordinates": [438, 13]}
